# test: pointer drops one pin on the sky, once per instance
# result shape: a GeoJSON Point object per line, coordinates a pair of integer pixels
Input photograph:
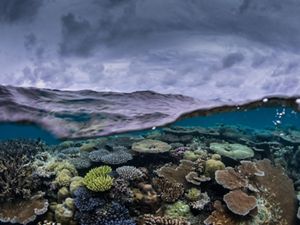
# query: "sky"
{"type": "Point", "coordinates": [216, 49]}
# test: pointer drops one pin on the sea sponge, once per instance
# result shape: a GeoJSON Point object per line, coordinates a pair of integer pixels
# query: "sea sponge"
{"type": "Point", "coordinates": [98, 180]}
{"type": "Point", "coordinates": [211, 166]}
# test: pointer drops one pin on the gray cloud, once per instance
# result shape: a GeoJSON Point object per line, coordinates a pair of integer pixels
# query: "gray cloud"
{"type": "Point", "coordinates": [18, 10]}
{"type": "Point", "coordinates": [232, 59]}
{"type": "Point", "coordinates": [206, 49]}
{"type": "Point", "coordinates": [78, 36]}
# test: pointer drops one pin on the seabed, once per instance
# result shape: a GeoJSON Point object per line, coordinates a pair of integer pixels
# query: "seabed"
{"type": "Point", "coordinates": [234, 168]}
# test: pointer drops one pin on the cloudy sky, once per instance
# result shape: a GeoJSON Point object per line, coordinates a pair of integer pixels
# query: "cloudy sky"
{"type": "Point", "coordinates": [206, 49]}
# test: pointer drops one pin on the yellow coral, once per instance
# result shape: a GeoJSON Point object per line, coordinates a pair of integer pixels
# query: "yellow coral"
{"type": "Point", "coordinates": [98, 180]}
{"type": "Point", "coordinates": [61, 165]}
{"type": "Point", "coordinates": [63, 178]}
{"type": "Point", "coordinates": [211, 166]}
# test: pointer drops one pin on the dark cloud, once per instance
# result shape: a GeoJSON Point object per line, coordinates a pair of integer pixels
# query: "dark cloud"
{"type": "Point", "coordinates": [271, 22]}
{"type": "Point", "coordinates": [30, 41]}
{"type": "Point", "coordinates": [232, 59]}
{"type": "Point", "coordinates": [18, 10]}
{"type": "Point", "coordinates": [78, 36]}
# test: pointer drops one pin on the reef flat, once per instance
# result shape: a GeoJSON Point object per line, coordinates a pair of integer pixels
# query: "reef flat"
{"type": "Point", "coordinates": [177, 175]}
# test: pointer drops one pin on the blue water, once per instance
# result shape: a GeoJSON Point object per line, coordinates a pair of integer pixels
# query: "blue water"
{"type": "Point", "coordinates": [259, 118]}
{"type": "Point", "coordinates": [12, 131]}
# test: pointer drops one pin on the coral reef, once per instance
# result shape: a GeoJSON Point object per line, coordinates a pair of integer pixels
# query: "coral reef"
{"type": "Point", "coordinates": [150, 146]}
{"type": "Point", "coordinates": [23, 211]}
{"type": "Point", "coordinates": [239, 202]}
{"type": "Point", "coordinates": [93, 210]}
{"type": "Point", "coordinates": [158, 220]}
{"type": "Point", "coordinates": [129, 173]}
{"type": "Point", "coordinates": [98, 179]}
{"type": "Point", "coordinates": [170, 176]}
{"type": "Point", "coordinates": [234, 151]}
{"type": "Point", "coordinates": [200, 202]}
{"type": "Point", "coordinates": [116, 158]}
{"type": "Point", "coordinates": [169, 191]}
{"type": "Point", "coordinates": [178, 210]}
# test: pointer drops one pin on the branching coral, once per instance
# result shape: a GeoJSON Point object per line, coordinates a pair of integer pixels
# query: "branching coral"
{"type": "Point", "coordinates": [165, 220]}
{"type": "Point", "coordinates": [98, 179]}
{"type": "Point", "coordinates": [20, 201]}
{"type": "Point", "coordinates": [93, 210]}
{"type": "Point", "coordinates": [17, 178]}
{"type": "Point", "coordinates": [169, 191]}
{"type": "Point", "coordinates": [129, 173]}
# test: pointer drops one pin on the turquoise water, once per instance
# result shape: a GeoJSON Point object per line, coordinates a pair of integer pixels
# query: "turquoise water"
{"type": "Point", "coordinates": [259, 118]}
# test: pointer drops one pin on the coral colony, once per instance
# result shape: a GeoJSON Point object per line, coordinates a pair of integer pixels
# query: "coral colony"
{"type": "Point", "coordinates": [225, 175]}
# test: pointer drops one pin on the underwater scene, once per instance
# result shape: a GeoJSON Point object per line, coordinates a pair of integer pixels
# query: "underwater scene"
{"type": "Point", "coordinates": [238, 167]}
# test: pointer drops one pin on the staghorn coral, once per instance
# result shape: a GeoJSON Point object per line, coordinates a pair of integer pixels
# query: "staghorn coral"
{"type": "Point", "coordinates": [17, 173]}
{"type": "Point", "coordinates": [129, 173]}
{"type": "Point", "coordinates": [20, 201]}
{"type": "Point", "coordinates": [169, 191]}
{"type": "Point", "coordinates": [150, 146]}
{"type": "Point", "coordinates": [165, 220]}
{"type": "Point", "coordinates": [98, 180]}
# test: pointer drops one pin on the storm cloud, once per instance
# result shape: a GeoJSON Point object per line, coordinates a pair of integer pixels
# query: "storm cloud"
{"type": "Point", "coordinates": [18, 10]}
{"type": "Point", "coordinates": [205, 49]}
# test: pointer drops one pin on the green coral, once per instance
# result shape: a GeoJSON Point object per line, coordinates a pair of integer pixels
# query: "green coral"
{"type": "Point", "coordinates": [193, 194]}
{"type": "Point", "coordinates": [63, 178]}
{"type": "Point", "coordinates": [178, 210]}
{"type": "Point", "coordinates": [98, 179]}
{"type": "Point", "coordinates": [58, 166]}
{"type": "Point", "coordinates": [190, 155]}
